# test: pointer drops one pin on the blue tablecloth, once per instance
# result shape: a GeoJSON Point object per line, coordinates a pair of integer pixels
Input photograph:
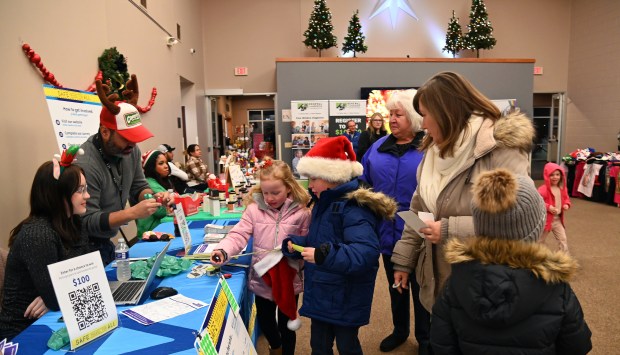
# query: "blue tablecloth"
{"type": "Point", "coordinates": [172, 336]}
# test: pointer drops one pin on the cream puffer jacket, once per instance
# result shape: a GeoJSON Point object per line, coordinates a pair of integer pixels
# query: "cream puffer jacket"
{"type": "Point", "coordinates": [505, 144]}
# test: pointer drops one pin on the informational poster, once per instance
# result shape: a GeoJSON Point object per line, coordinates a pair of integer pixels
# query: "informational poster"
{"type": "Point", "coordinates": [183, 228]}
{"type": "Point", "coordinates": [74, 114]}
{"type": "Point", "coordinates": [343, 111]}
{"type": "Point", "coordinates": [223, 330]}
{"type": "Point", "coordinates": [286, 115]}
{"type": "Point", "coordinates": [84, 298]}
{"type": "Point", "coordinates": [310, 122]}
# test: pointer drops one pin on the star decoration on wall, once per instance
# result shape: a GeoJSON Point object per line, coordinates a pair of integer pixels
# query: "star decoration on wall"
{"type": "Point", "coordinates": [393, 6]}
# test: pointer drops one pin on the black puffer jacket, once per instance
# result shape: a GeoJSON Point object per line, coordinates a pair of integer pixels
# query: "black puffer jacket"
{"type": "Point", "coordinates": [508, 297]}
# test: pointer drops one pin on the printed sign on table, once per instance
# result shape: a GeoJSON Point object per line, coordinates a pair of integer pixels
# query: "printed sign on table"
{"type": "Point", "coordinates": [223, 330]}
{"type": "Point", "coordinates": [183, 228]}
{"type": "Point", "coordinates": [74, 114]}
{"type": "Point", "coordinates": [84, 297]}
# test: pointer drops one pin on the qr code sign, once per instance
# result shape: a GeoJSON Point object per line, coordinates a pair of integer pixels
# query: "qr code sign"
{"type": "Point", "coordinates": [88, 305]}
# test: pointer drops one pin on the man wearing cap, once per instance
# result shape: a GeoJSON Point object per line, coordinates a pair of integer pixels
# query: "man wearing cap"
{"type": "Point", "coordinates": [113, 171]}
{"type": "Point", "coordinates": [174, 170]}
{"type": "Point", "coordinates": [178, 177]}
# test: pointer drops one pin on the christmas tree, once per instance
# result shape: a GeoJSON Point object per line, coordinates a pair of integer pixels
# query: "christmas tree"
{"type": "Point", "coordinates": [480, 35]}
{"type": "Point", "coordinates": [454, 37]}
{"type": "Point", "coordinates": [354, 41]}
{"type": "Point", "coordinates": [319, 33]}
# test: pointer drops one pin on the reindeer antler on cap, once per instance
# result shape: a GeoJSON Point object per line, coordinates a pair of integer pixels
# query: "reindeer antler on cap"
{"type": "Point", "coordinates": [123, 117]}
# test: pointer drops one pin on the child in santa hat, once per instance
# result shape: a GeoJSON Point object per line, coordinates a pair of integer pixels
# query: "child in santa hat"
{"type": "Point", "coordinates": [274, 209]}
{"type": "Point", "coordinates": [342, 247]}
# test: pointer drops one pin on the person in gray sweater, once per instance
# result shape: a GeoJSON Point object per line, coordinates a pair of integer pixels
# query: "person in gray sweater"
{"type": "Point", "coordinates": [113, 170]}
{"type": "Point", "coordinates": [51, 233]}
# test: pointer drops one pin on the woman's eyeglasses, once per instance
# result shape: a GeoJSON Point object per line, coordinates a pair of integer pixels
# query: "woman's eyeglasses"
{"type": "Point", "coordinates": [82, 189]}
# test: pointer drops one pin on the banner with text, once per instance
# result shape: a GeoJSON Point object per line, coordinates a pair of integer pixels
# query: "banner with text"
{"type": "Point", "coordinates": [343, 111]}
{"type": "Point", "coordinates": [74, 114]}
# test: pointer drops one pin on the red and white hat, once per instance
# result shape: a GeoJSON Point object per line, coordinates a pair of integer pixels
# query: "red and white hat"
{"type": "Point", "coordinates": [331, 159]}
{"type": "Point", "coordinates": [127, 122]}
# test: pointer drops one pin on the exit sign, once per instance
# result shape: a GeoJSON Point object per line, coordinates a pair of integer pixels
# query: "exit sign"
{"type": "Point", "coordinates": [538, 70]}
{"type": "Point", "coordinates": [241, 71]}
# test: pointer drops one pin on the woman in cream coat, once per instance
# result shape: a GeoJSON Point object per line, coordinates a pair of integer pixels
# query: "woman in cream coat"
{"type": "Point", "coordinates": [465, 137]}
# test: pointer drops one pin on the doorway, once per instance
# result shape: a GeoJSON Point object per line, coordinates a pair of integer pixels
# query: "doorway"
{"type": "Point", "coordinates": [548, 116]}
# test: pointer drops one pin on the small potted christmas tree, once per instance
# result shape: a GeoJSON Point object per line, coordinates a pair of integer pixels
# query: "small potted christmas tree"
{"type": "Point", "coordinates": [354, 41]}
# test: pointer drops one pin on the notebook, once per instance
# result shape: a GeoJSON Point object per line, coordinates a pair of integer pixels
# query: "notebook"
{"type": "Point", "coordinates": [130, 292]}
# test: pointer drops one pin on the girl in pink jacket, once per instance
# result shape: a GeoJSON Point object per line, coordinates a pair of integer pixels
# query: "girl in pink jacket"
{"type": "Point", "coordinates": [274, 209]}
{"type": "Point", "coordinates": [555, 195]}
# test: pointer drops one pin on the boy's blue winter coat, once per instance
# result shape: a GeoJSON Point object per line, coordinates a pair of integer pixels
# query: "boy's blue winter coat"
{"type": "Point", "coordinates": [340, 290]}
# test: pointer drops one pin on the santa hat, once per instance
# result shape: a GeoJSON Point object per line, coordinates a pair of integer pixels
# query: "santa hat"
{"type": "Point", "coordinates": [331, 159]}
{"type": "Point", "coordinates": [148, 156]}
{"type": "Point", "coordinates": [279, 274]}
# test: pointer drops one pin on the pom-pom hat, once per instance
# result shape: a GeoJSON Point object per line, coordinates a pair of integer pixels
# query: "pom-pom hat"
{"type": "Point", "coordinates": [331, 159]}
{"type": "Point", "coordinates": [506, 206]}
{"type": "Point", "coordinates": [150, 155]}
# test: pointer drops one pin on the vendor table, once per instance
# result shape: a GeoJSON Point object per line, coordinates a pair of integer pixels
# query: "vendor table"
{"type": "Point", "coordinates": [172, 336]}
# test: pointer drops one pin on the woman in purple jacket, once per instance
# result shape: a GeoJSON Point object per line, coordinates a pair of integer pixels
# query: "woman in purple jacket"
{"type": "Point", "coordinates": [274, 209]}
{"type": "Point", "coordinates": [390, 167]}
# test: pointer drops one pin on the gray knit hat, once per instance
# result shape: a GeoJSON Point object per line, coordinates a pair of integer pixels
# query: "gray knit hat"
{"type": "Point", "coordinates": [507, 206]}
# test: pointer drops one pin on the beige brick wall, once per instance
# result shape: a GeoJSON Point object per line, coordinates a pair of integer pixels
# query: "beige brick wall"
{"type": "Point", "coordinates": [593, 115]}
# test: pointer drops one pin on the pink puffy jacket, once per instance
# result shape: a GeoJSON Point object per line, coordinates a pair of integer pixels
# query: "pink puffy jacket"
{"type": "Point", "coordinates": [269, 227]}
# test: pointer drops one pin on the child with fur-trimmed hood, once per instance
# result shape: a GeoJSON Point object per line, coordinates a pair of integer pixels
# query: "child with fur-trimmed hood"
{"type": "Point", "coordinates": [508, 294]}
{"type": "Point", "coordinates": [342, 247]}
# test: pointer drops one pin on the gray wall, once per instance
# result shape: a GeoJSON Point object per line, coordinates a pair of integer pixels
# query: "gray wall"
{"type": "Point", "coordinates": [324, 80]}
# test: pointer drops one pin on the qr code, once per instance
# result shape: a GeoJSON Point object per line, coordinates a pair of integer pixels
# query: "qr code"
{"type": "Point", "coordinates": [88, 305]}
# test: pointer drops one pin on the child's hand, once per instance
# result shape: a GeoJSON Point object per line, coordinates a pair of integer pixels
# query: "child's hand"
{"type": "Point", "coordinates": [308, 255]}
{"type": "Point", "coordinates": [217, 258]}
{"type": "Point", "coordinates": [553, 210]}
{"type": "Point", "coordinates": [565, 207]}
{"type": "Point", "coordinates": [290, 246]}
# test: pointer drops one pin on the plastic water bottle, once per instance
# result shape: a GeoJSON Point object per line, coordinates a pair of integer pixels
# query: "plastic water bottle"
{"type": "Point", "coordinates": [123, 270]}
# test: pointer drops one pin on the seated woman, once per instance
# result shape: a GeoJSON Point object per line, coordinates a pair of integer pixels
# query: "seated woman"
{"type": "Point", "coordinates": [52, 232]}
{"type": "Point", "coordinates": [196, 169]}
{"type": "Point", "coordinates": [157, 173]}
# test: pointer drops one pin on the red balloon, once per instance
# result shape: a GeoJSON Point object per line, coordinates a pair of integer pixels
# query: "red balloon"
{"type": "Point", "coordinates": [26, 47]}
{"type": "Point", "coordinates": [35, 58]}
{"type": "Point", "coordinates": [40, 65]}
{"type": "Point", "coordinates": [49, 77]}
{"type": "Point", "coordinates": [31, 52]}
{"type": "Point", "coordinates": [44, 71]}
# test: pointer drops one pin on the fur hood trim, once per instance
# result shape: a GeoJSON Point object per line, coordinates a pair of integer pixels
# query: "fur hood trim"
{"type": "Point", "coordinates": [552, 267]}
{"type": "Point", "coordinates": [381, 204]}
{"type": "Point", "coordinates": [515, 131]}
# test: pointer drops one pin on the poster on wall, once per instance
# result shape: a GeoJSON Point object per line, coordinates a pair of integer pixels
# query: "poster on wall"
{"type": "Point", "coordinates": [343, 111]}
{"type": "Point", "coordinates": [376, 99]}
{"type": "Point", "coordinates": [74, 114]}
{"type": "Point", "coordinates": [309, 123]}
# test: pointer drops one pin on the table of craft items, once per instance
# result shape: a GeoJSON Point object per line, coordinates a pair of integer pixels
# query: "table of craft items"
{"type": "Point", "coordinates": [172, 336]}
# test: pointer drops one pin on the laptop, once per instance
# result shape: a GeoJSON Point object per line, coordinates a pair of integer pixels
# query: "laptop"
{"type": "Point", "coordinates": [131, 291]}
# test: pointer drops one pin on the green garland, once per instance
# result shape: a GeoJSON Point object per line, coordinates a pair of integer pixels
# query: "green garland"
{"type": "Point", "coordinates": [113, 65]}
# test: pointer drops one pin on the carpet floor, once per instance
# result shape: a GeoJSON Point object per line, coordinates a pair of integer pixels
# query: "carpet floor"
{"type": "Point", "coordinates": [593, 231]}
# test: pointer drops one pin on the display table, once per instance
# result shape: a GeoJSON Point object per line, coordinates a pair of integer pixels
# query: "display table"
{"type": "Point", "coordinates": [172, 336]}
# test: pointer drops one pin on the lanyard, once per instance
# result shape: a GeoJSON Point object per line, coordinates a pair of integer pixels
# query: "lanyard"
{"type": "Point", "coordinates": [117, 183]}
